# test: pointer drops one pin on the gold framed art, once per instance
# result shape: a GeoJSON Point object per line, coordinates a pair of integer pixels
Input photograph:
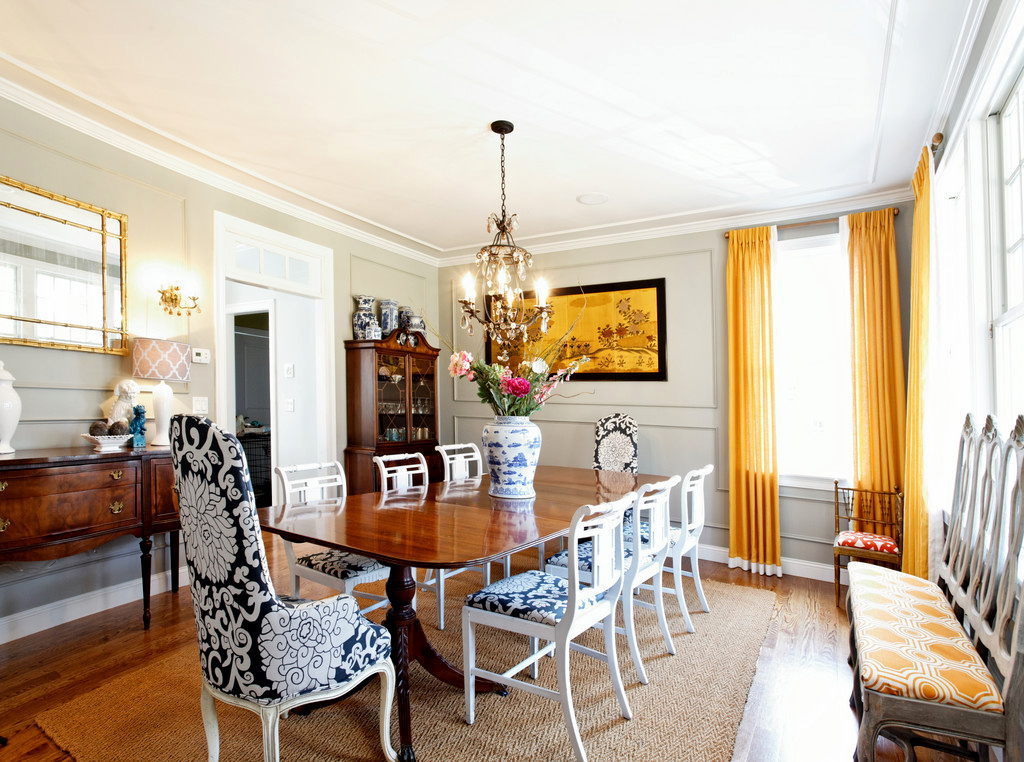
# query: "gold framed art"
{"type": "Point", "coordinates": [619, 326]}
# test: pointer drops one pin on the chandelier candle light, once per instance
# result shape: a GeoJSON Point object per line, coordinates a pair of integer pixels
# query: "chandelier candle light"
{"type": "Point", "coordinates": [501, 267]}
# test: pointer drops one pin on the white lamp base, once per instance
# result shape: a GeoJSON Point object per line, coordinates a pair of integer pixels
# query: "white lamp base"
{"type": "Point", "coordinates": [163, 398]}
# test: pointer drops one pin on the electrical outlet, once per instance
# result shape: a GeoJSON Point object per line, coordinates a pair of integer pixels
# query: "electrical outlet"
{"type": "Point", "coordinates": [201, 405]}
{"type": "Point", "coordinates": [200, 356]}
{"type": "Point", "coordinates": [289, 406]}
{"type": "Point", "coordinates": [289, 370]}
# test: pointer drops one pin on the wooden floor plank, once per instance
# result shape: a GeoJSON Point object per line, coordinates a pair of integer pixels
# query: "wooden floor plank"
{"type": "Point", "coordinates": [797, 709]}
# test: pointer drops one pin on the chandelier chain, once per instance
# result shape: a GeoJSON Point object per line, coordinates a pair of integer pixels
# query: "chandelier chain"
{"type": "Point", "coordinates": [503, 179]}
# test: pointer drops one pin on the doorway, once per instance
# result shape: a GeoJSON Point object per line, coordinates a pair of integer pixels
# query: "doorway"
{"type": "Point", "coordinates": [253, 409]}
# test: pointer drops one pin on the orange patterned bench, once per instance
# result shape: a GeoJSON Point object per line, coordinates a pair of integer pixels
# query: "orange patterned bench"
{"type": "Point", "coordinates": [948, 658]}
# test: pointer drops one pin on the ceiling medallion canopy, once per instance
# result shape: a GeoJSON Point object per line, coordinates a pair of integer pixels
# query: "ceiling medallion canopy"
{"type": "Point", "coordinates": [501, 267]}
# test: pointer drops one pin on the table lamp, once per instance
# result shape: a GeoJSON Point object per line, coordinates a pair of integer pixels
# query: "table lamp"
{"type": "Point", "coordinates": [164, 361]}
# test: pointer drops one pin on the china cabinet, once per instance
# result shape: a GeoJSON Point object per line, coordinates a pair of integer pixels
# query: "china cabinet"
{"type": "Point", "coordinates": [392, 404]}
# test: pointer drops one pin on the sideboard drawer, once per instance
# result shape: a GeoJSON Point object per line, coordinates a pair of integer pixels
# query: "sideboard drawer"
{"type": "Point", "coordinates": [32, 483]}
{"type": "Point", "coordinates": [27, 521]}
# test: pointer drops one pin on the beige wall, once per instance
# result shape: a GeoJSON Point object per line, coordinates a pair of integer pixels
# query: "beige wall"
{"type": "Point", "coordinates": [683, 421]}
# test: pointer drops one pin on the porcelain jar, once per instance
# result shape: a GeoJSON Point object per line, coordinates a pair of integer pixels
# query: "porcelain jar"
{"type": "Point", "coordinates": [363, 316]}
{"type": "Point", "coordinates": [10, 409]}
{"type": "Point", "coordinates": [511, 449]}
{"type": "Point", "coordinates": [388, 315]}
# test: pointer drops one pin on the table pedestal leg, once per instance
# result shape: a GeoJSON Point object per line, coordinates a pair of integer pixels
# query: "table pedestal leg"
{"type": "Point", "coordinates": [409, 643]}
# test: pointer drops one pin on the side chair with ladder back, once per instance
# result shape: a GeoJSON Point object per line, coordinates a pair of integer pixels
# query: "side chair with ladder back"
{"type": "Point", "coordinates": [869, 527]}
{"type": "Point", "coordinates": [337, 569]}
{"type": "Point", "coordinates": [253, 652]}
{"type": "Point", "coordinates": [555, 609]}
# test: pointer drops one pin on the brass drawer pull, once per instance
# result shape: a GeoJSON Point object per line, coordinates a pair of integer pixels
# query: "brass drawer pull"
{"type": "Point", "coordinates": [4, 523]}
{"type": "Point", "coordinates": [115, 475]}
{"type": "Point", "coordinates": [3, 486]}
{"type": "Point", "coordinates": [116, 507]}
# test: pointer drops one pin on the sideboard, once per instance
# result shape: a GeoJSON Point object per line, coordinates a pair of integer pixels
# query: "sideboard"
{"type": "Point", "coordinates": [60, 501]}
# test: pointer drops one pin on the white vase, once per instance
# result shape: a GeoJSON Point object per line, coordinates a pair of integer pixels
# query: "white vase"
{"type": "Point", "coordinates": [511, 449]}
{"type": "Point", "coordinates": [10, 410]}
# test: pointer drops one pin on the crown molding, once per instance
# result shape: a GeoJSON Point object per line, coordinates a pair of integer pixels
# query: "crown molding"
{"type": "Point", "coordinates": [117, 139]}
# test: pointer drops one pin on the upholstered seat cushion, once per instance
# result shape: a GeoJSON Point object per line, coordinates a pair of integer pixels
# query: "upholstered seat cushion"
{"type": "Point", "coordinates": [340, 564]}
{"type": "Point", "coordinates": [867, 541]}
{"type": "Point", "coordinates": [909, 642]}
{"type": "Point", "coordinates": [533, 595]}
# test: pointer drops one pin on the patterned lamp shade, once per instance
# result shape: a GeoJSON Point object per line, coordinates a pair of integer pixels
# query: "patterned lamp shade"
{"type": "Point", "coordinates": [161, 359]}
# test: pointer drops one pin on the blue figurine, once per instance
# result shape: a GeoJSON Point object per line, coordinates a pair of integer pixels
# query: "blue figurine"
{"type": "Point", "coordinates": [137, 427]}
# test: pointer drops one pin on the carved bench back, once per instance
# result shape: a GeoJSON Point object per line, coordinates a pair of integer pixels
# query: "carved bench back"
{"type": "Point", "coordinates": [980, 570]}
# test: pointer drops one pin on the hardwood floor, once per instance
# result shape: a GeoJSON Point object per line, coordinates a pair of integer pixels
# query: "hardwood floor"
{"type": "Point", "coordinates": [797, 710]}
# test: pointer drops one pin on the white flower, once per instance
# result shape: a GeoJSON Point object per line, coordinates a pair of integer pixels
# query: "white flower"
{"type": "Point", "coordinates": [539, 366]}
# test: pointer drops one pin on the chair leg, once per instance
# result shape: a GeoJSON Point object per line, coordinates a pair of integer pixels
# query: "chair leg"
{"type": "Point", "coordinates": [506, 565]}
{"type": "Point", "coordinates": [540, 557]}
{"type": "Point", "coordinates": [613, 665]}
{"type": "Point", "coordinates": [468, 665]}
{"type": "Point", "coordinates": [634, 649]}
{"type": "Point", "coordinates": [208, 704]}
{"type": "Point", "coordinates": [565, 691]}
{"type": "Point", "coordinates": [485, 571]}
{"type": "Point", "coordinates": [835, 562]}
{"type": "Point", "coordinates": [295, 585]}
{"type": "Point", "coordinates": [439, 589]}
{"type": "Point", "coordinates": [677, 573]}
{"type": "Point", "coordinates": [387, 697]}
{"type": "Point", "coordinates": [534, 668]}
{"type": "Point", "coordinates": [659, 603]}
{"type": "Point", "coordinates": [695, 571]}
{"type": "Point", "coordinates": [270, 716]}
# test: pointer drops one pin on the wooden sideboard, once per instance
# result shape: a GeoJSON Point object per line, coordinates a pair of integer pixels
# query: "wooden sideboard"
{"type": "Point", "coordinates": [61, 501]}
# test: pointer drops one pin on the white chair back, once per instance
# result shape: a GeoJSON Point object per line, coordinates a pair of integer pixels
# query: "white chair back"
{"type": "Point", "coordinates": [461, 461]}
{"type": "Point", "coordinates": [653, 508]}
{"type": "Point", "coordinates": [401, 470]}
{"type": "Point", "coordinates": [692, 517]}
{"type": "Point", "coordinates": [306, 482]}
{"type": "Point", "coordinates": [602, 525]}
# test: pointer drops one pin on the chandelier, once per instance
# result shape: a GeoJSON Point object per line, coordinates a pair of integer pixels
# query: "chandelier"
{"type": "Point", "coordinates": [501, 268]}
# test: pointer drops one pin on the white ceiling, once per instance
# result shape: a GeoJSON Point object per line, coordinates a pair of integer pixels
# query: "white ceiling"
{"type": "Point", "coordinates": [376, 113]}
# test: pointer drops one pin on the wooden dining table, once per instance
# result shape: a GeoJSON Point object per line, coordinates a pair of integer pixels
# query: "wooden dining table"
{"type": "Point", "coordinates": [445, 525]}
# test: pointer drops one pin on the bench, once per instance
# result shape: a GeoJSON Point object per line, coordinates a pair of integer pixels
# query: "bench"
{"type": "Point", "coordinates": [948, 658]}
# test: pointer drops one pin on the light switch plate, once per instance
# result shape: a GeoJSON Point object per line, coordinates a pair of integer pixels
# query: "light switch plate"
{"type": "Point", "coordinates": [201, 356]}
{"type": "Point", "coordinates": [289, 370]}
{"type": "Point", "coordinates": [201, 405]}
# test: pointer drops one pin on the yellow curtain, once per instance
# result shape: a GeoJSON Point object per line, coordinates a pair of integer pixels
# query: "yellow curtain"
{"type": "Point", "coordinates": [915, 508]}
{"type": "Point", "coordinates": [879, 402]}
{"type": "Point", "coordinates": [754, 541]}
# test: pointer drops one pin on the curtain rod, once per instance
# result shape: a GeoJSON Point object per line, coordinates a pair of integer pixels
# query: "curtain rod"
{"type": "Point", "coordinates": [895, 212]}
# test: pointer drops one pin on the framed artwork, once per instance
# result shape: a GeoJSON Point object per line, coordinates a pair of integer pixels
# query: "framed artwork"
{"type": "Point", "coordinates": [620, 327]}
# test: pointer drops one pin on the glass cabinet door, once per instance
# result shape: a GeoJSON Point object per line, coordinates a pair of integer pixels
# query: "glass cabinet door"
{"type": "Point", "coordinates": [422, 396]}
{"type": "Point", "coordinates": [391, 401]}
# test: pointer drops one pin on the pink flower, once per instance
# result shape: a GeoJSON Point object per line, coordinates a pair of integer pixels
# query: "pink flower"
{"type": "Point", "coordinates": [517, 387]}
{"type": "Point", "coordinates": [459, 364]}
{"type": "Point", "coordinates": [470, 376]}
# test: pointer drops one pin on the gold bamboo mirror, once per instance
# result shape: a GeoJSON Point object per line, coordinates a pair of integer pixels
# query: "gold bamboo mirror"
{"type": "Point", "coordinates": [62, 271]}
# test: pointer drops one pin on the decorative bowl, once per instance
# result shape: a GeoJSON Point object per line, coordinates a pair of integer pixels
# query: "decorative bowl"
{"type": "Point", "coordinates": [107, 444]}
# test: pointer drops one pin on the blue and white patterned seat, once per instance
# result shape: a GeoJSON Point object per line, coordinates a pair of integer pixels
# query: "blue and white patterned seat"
{"type": "Point", "coordinates": [257, 650]}
{"type": "Point", "coordinates": [533, 595]}
{"type": "Point", "coordinates": [556, 610]}
{"type": "Point", "coordinates": [341, 564]}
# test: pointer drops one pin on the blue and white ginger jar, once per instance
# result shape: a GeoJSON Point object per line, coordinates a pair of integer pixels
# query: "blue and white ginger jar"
{"type": "Point", "coordinates": [511, 449]}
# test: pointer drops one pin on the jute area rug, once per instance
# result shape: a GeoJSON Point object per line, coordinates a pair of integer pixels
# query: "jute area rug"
{"type": "Point", "coordinates": [690, 710]}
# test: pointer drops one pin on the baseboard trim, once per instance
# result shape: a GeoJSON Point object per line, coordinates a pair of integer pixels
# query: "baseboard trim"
{"type": "Point", "coordinates": [794, 566]}
{"type": "Point", "coordinates": [41, 618]}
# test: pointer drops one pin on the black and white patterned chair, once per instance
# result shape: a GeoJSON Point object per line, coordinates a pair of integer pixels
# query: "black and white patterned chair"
{"type": "Point", "coordinates": [547, 607]}
{"type": "Point", "coordinates": [257, 650]}
{"type": "Point", "coordinates": [615, 443]}
{"type": "Point", "coordinates": [644, 554]}
{"type": "Point", "coordinates": [337, 569]}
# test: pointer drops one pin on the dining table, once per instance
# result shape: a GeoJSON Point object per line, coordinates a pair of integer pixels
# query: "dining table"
{"type": "Point", "coordinates": [442, 525]}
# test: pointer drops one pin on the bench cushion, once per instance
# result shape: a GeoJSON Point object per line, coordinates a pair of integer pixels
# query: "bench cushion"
{"type": "Point", "coordinates": [909, 642]}
{"type": "Point", "coordinates": [867, 541]}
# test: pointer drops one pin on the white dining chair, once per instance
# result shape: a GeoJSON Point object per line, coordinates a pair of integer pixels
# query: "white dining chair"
{"type": "Point", "coordinates": [555, 609]}
{"type": "Point", "coordinates": [683, 540]}
{"type": "Point", "coordinates": [645, 553]}
{"type": "Point", "coordinates": [461, 461]}
{"type": "Point", "coordinates": [336, 569]}
{"type": "Point", "coordinates": [401, 470]}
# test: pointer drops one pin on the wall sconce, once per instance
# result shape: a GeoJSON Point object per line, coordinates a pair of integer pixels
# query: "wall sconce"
{"type": "Point", "coordinates": [173, 302]}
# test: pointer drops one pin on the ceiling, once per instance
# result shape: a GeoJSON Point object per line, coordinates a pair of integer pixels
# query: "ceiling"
{"type": "Point", "coordinates": [375, 113]}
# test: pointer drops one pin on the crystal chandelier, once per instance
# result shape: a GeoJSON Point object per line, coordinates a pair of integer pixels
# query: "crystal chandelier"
{"type": "Point", "coordinates": [501, 267]}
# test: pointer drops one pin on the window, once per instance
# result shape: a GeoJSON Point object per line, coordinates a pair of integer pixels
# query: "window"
{"type": "Point", "coordinates": [60, 299]}
{"type": "Point", "coordinates": [1008, 307]}
{"type": "Point", "coordinates": [813, 375]}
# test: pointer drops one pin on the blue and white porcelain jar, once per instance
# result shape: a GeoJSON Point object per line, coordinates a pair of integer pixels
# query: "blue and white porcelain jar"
{"type": "Point", "coordinates": [388, 315]}
{"type": "Point", "coordinates": [404, 313]}
{"type": "Point", "coordinates": [362, 316]}
{"type": "Point", "coordinates": [511, 449]}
